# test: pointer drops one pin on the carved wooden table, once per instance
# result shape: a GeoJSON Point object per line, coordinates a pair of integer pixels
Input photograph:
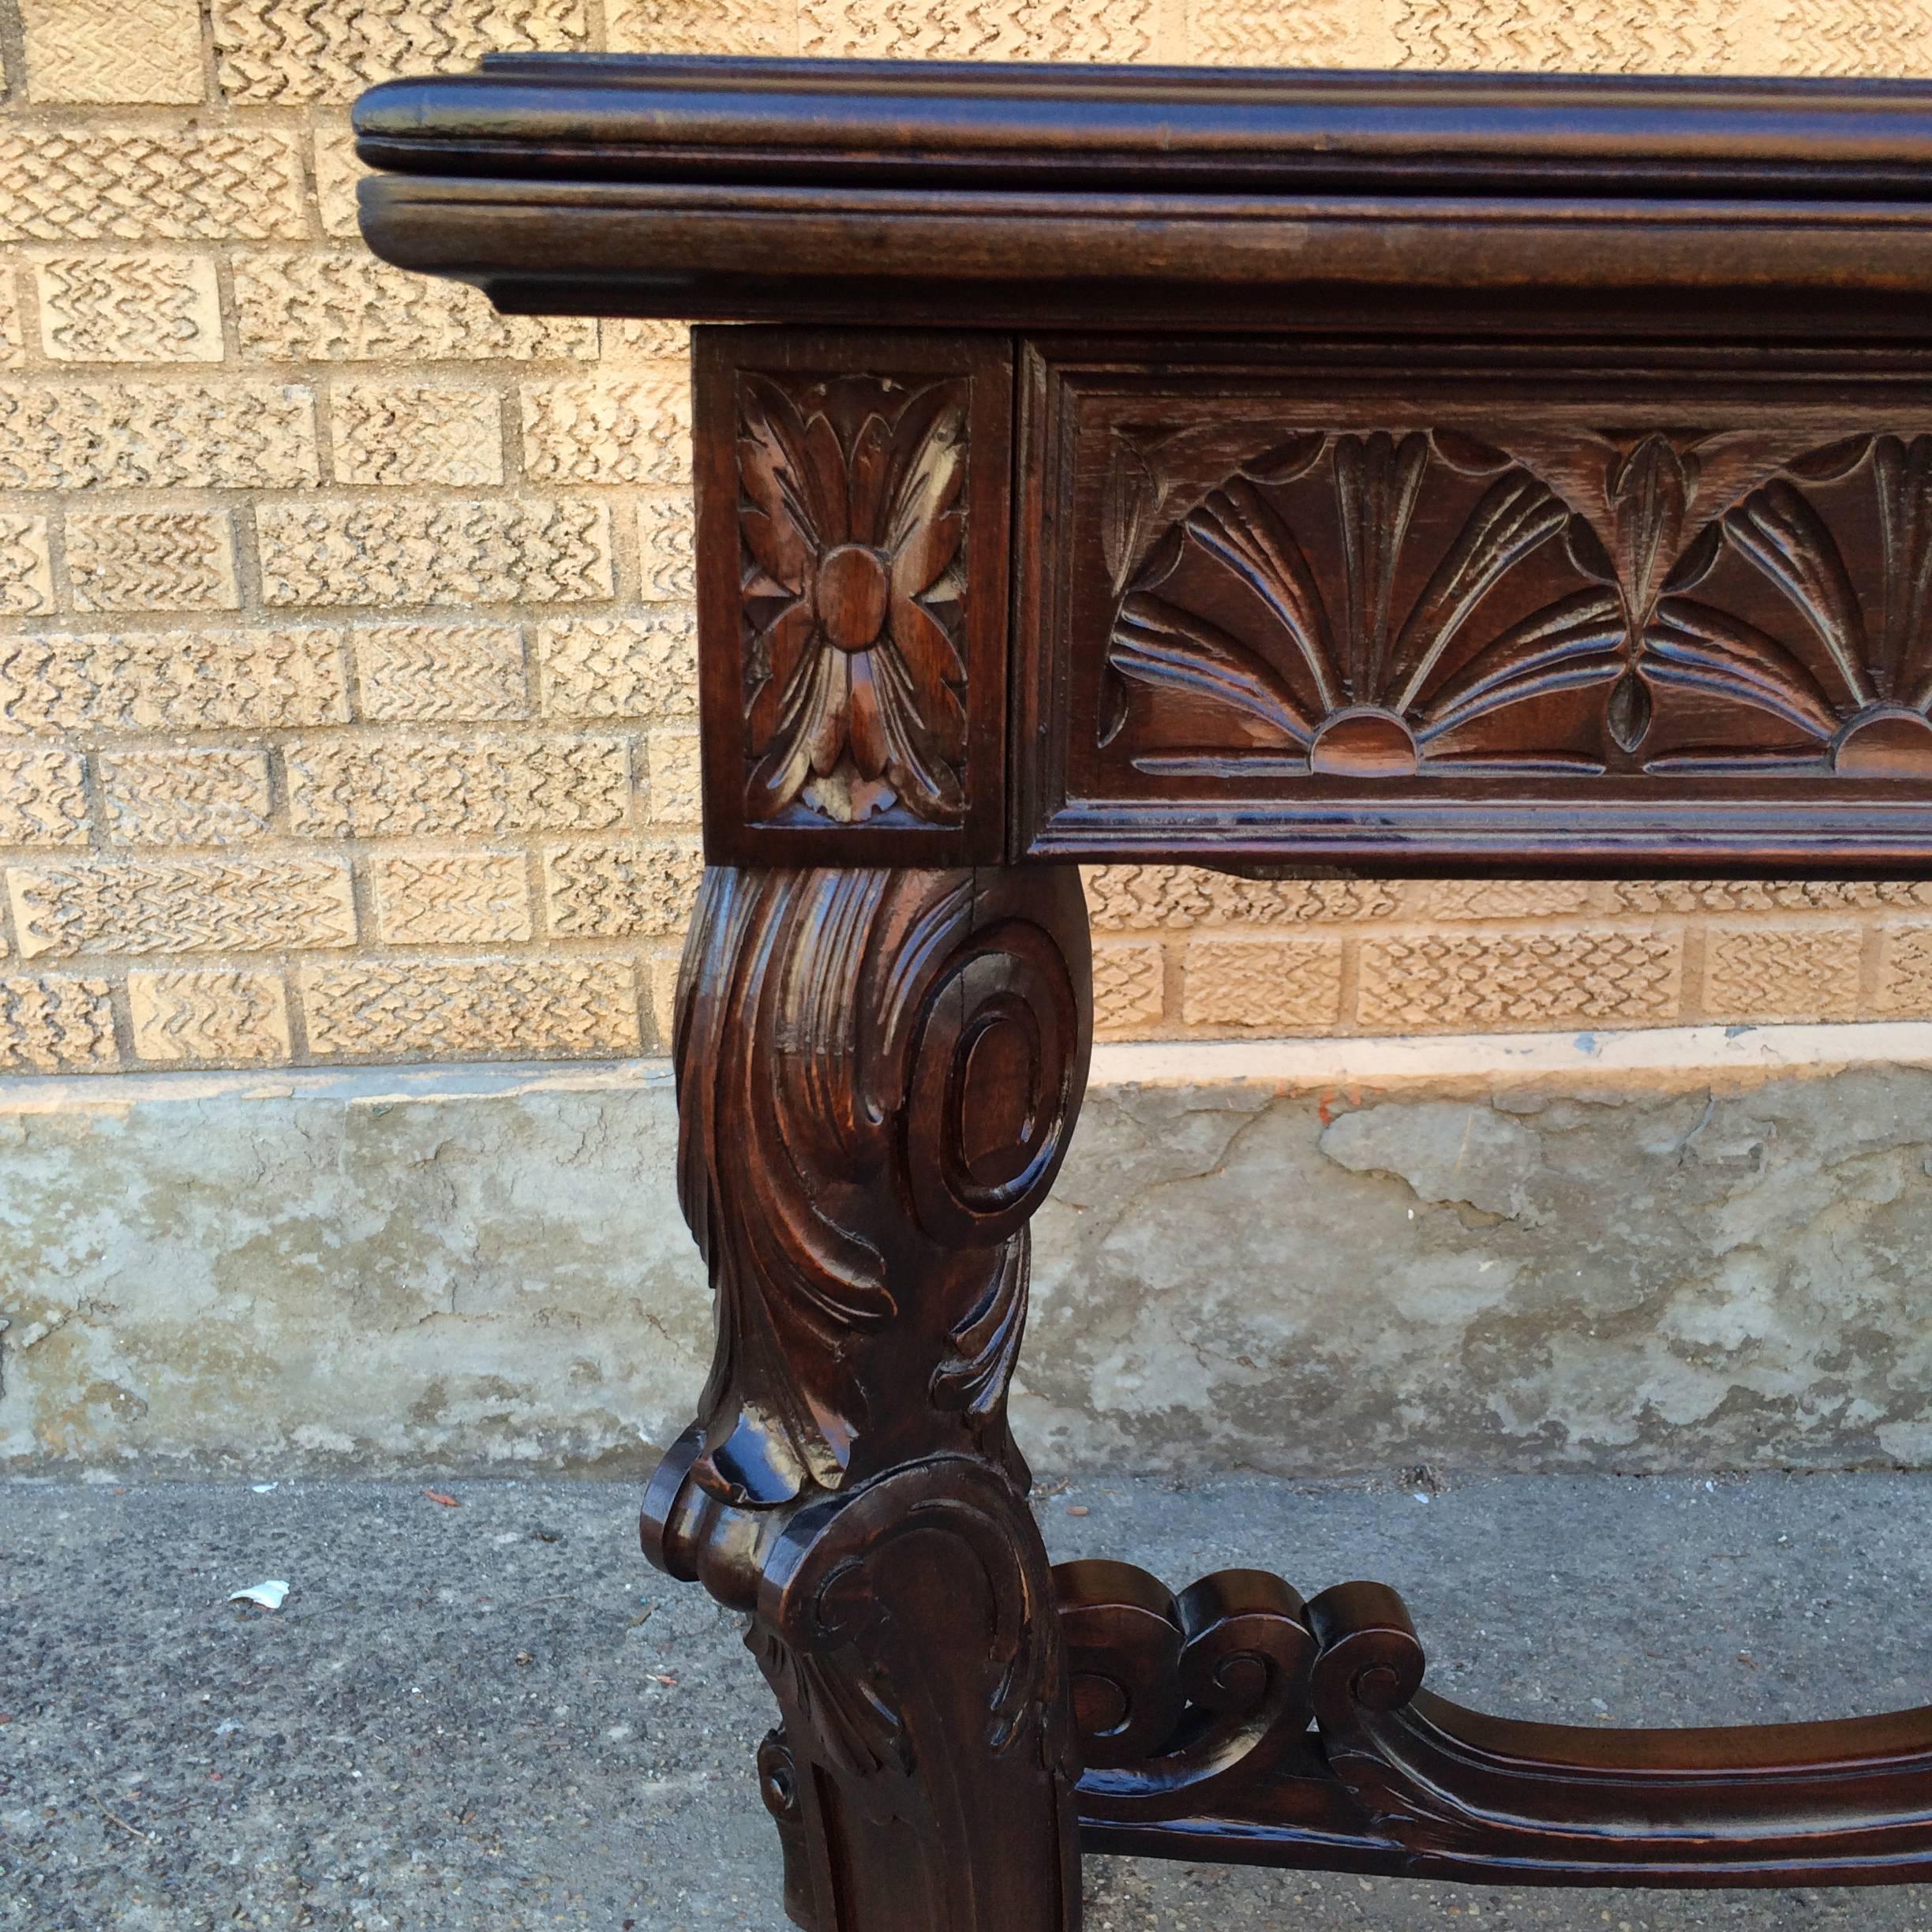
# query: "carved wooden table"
{"type": "Point", "coordinates": [1322, 474]}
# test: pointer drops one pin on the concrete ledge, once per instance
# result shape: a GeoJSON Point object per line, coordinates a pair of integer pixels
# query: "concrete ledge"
{"type": "Point", "coordinates": [1621, 1250]}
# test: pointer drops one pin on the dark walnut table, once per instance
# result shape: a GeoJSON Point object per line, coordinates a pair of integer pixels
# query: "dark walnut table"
{"type": "Point", "coordinates": [1307, 474]}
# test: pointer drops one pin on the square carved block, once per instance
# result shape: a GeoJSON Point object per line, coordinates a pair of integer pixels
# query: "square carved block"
{"type": "Point", "coordinates": [853, 591]}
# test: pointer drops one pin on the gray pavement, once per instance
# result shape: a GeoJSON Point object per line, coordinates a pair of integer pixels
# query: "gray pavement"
{"type": "Point", "coordinates": [494, 1715]}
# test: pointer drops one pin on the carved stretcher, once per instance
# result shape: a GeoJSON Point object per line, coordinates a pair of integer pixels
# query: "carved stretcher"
{"type": "Point", "coordinates": [1319, 473]}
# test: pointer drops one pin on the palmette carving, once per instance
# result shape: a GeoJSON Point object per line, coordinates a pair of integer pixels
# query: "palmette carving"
{"type": "Point", "coordinates": [852, 519]}
{"type": "Point", "coordinates": [878, 1074]}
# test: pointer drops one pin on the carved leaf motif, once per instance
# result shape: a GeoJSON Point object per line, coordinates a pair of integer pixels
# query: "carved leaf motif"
{"type": "Point", "coordinates": [1158, 644]}
{"type": "Point", "coordinates": [1577, 641]}
{"type": "Point", "coordinates": [1692, 645]}
{"type": "Point", "coordinates": [1904, 477]}
{"type": "Point", "coordinates": [853, 524]}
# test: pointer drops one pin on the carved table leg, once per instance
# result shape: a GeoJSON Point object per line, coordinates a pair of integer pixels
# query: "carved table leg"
{"type": "Point", "coordinates": [877, 1075]}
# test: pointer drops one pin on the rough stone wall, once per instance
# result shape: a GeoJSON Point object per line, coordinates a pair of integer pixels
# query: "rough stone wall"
{"type": "Point", "coordinates": [345, 630]}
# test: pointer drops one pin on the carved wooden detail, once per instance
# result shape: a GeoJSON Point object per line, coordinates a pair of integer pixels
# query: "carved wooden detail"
{"type": "Point", "coordinates": [1236, 1719]}
{"type": "Point", "coordinates": [877, 1075]}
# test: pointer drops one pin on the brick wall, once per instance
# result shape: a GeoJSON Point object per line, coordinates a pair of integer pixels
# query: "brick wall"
{"type": "Point", "coordinates": [345, 632]}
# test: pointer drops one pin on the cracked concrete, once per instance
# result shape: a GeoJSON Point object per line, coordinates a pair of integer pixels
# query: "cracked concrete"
{"type": "Point", "coordinates": [1507, 1262]}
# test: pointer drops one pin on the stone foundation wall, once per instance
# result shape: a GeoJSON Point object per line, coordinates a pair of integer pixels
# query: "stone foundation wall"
{"type": "Point", "coordinates": [345, 707]}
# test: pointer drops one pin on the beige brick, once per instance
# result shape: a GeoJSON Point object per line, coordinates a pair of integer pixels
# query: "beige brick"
{"type": "Point", "coordinates": [618, 890]}
{"type": "Point", "coordinates": [152, 561]}
{"type": "Point", "coordinates": [676, 781]}
{"type": "Point", "coordinates": [220, 1016]}
{"type": "Point", "coordinates": [73, 435]}
{"type": "Point", "coordinates": [620, 667]}
{"type": "Point", "coordinates": [702, 26]}
{"type": "Point", "coordinates": [468, 1009]}
{"type": "Point", "coordinates": [56, 1025]}
{"type": "Point", "coordinates": [1905, 972]}
{"type": "Point", "coordinates": [129, 309]}
{"type": "Point", "coordinates": [206, 797]}
{"type": "Point", "coordinates": [13, 332]}
{"type": "Point", "coordinates": [647, 339]}
{"type": "Point", "coordinates": [42, 797]}
{"type": "Point", "coordinates": [90, 51]}
{"type": "Point", "coordinates": [70, 183]}
{"type": "Point", "coordinates": [1886, 39]}
{"type": "Point", "coordinates": [661, 967]}
{"type": "Point", "coordinates": [1587, 976]}
{"type": "Point", "coordinates": [1767, 895]}
{"type": "Point", "coordinates": [1272, 33]}
{"type": "Point", "coordinates": [664, 548]}
{"type": "Point", "coordinates": [182, 905]}
{"type": "Point", "coordinates": [1266, 983]}
{"type": "Point", "coordinates": [1502, 899]}
{"type": "Point", "coordinates": [1129, 985]}
{"type": "Point", "coordinates": [171, 680]}
{"type": "Point", "coordinates": [407, 552]}
{"type": "Point", "coordinates": [26, 582]}
{"type": "Point", "coordinates": [285, 51]}
{"type": "Point", "coordinates": [402, 787]}
{"type": "Point", "coordinates": [608, 428]}
{"type": "Point", "coordinates": [1124, 898]}
{"type": "Point", "coordinates": [337, 171]}
{"type": "Point", "coordinates": [405, 433]}
{"type": "Point", "coordinates": [1782, 972]}
{"type": "Point", "coordinates": [1120, 30]}
{"type": "Point", "coordinates": [353, 309]}
{"type": "Point", "coordinates": [1602, 36]}
{"type": "Point", "coordinates": [441, 673]}
{"type": "Point", "coordinates": [451, 898]}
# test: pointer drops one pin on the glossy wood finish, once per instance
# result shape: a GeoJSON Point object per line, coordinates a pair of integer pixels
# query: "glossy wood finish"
{"type": "Point", "coordinates": [1307, 473]}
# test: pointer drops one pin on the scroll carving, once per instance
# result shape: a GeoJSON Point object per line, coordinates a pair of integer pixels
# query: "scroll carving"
{"type": "Point", "coordinates": [853, 525]}
{"type": "Point", "coordinates": [1389, 603]}
{"type": "Point", "coordinates": [878, 1073]}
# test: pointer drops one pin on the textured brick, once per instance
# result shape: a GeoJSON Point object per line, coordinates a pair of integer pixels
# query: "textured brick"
{"type": "Point", "coordinates": [1767, 895]}
{"type": "Point", "coordinates": [26, 582]}
{"type": "Point", "coordinates": [152, 561]}
{"type": "Point", "coordinates": [398, 787]}
{"type": "Point", "coordinates": [130, 184]}
{"type": "Point", "coordinates": [441, 673]}
{"type": "Point", "coordinates": [207, 797]}
{"type": "Point", "coordinates": [403, 433]}
{"type": "Point", "coordinates": [182, 905]}
{"type": "Point", "coordinates": [661, 968]}
{"type": "Point", "coordinates": [444, 551]}
{"type": "Point", "coordinates": [12, 335]}
{"type": "Point", "coordinates": [352, 309]}
{"type": "Point", "coordinates": [217, 1015]}
{"type": "Point", "coordinates": [608, 430]}
{"type": "Point", "coordinates": [1263, 982]}
{"type": "Point", "coordinates": [451, 898]}
{"type": "Point", "coordinates": [464, 1009]}
{"type": "Point", "coordinates": [1122, 30]}
{"type": "Point", "coordinates": [1129, 988]}
{"type": "Point", "coordinates": [42, 797]}
{"type": "Point", "coordinates": [1905, 972]}
{"type": "Point", "coordinates": [665, 561]}
{"type": "Point", "coordinates": [1127, 897]}
{"type": "Point", "coordinates": [1269, 33]}
{"type": "Point", "coordinates": [675, 793]}
{"type": "Point", "coordinates": [337, 171]}
{"type": "Point", "coordinates": [1502, 899]}
{"type": "Point", "coordinates": [1782, 972]}
{"type": "Point", "coordinates": [620, 667]}
{"type": "Point", "coordinates": [702, 26]}
{"type": "Point", "coordinates": [619, 890]}
{"type": "Point", "coordinates": [1889, 39]}
{"type": "Point", "coordinates": [56, 1025]}
{"type": "Point", "coordinates": [1600, 977]}
{"type": "Point", "coordinates": [109, 50]}
{"type": "Point", "coordinates": [1585, 36]}
{"type": "Point", "coordinates": [283, 51]}
{"type": "Point", "coordinates": [646, 339]}
{"type": "Point", "coordinates": [73, 435]}
{"type": "Point", "coordinates": [129, 309]}
{"type": "Point", "coordinates": [171, 680]}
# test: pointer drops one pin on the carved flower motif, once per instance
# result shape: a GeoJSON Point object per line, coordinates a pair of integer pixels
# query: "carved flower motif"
{"type": "Point", "coordinates": [853, 528]}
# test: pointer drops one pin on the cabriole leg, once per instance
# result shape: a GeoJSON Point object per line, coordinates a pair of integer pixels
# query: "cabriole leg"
{"type": "Point", "coordinates": [877, 1075]}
